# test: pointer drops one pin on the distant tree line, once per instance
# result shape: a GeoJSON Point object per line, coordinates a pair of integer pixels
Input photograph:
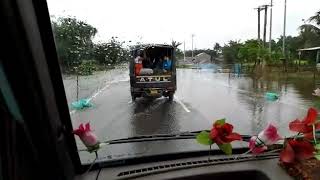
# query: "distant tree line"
{"type": "Point", "coordinates": [253, 51]}
{"type": "Point", "coordinates": [76, 50]}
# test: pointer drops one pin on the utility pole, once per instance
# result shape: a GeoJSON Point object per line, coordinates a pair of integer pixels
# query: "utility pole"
{"type": "Point", "coordinates": [258, 9]}
{"type": "Point", "coordinates": [184, 51]}
{"type": "Point", "coordinates": [192, 35]}
{"type": "Point", "coordinates": [270, 33]}
{"type": "Point", "coordinates": [284, 29]}
{"type": "Point", "coordinates": [259, 39]}
{"type": "Point", "coordinates": [265, 25]}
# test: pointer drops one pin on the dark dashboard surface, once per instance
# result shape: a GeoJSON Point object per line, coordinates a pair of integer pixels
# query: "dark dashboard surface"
{"type": "Point", "coordinates": [264, 167]}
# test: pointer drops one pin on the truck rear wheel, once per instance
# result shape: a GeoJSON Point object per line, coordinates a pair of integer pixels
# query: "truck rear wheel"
{"type": "Point", "coordinates": [133, 97]}
{"type": "Point", "coordinates": [170, 96]}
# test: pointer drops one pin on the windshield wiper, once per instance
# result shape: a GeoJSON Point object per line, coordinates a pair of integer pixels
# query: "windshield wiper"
{"type": "Point", "coordinates": [160, 137]}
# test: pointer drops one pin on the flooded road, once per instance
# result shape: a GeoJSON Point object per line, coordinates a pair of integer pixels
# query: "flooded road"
{"type": "Point", "coordinates": [202, 97]}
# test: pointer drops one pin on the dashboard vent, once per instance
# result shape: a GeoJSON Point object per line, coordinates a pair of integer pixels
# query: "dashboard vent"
{"type": "Point", "coordinates": [181, 165]}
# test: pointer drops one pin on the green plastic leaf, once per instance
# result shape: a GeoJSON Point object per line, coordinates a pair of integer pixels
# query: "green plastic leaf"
{"type": "Point", "coordinates": [204, 138]}
{"type": "Point", "coordinates": [226, 148]}
{"type": "Point", "coordinates": [317, 104]}
{"type": "Point", "coordinates": [93, 148]}
{"type": "Point", "coordinates": [220, 121]}
{"type": "Point", "coordinates": [317, 156]}
{"type": "Point", "coordinates": [314, 133]}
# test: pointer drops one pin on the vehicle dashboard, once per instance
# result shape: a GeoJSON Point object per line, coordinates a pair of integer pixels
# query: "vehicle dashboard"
{"type": "Point", "coordinates": [264, 167]}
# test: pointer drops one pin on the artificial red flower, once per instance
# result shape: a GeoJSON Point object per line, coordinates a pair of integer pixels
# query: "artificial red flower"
{"type": "Point", "coordinates": [268, 136]}
{"type": "Point", "coordinates": [86, 135]}
{"type": "Point", "coordinates": [222, 133]}
{"type": "Point", "coordinates": [310, 135]}
{"type": "Point", "coordinates": [305, 126]}
{"type": "Point", "coordinates": [296, 150]}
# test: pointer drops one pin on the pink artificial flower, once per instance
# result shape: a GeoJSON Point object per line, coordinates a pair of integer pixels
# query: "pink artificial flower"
{"type": "Point", "coordinates": [268, 136]}
{"type": "Point", "coordinates": [254, 147]}
{"type": "Point", "coordinates": [85, 134]}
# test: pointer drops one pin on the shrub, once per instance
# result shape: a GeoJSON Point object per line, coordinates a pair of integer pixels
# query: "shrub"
{"type": "Point", "coordinates": [87, 67]}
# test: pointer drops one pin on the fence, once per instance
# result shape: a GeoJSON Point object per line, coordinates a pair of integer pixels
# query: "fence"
{"type": "Point", "coordinates": [84, 86]}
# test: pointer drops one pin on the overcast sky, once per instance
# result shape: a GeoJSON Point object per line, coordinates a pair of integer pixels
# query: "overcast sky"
{"type": "Point", "coordinates": [160, 21]}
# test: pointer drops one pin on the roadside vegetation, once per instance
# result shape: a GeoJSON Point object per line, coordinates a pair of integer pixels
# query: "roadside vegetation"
{"type": "Point", "coordinates": [77, 52]}
{"type": "Point", "coordinates": [253, 52]}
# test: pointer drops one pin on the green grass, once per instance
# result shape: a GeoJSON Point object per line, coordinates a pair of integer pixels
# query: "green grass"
{"type": "Point", "coordinates": [184, 66]}
{"type": "Point", "coordinates": [302, 62]}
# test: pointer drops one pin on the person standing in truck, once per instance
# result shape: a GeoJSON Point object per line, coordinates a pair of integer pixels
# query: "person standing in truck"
{"type": "Point", "coordinates": [146, 63]}
{"type": "Point", "coordinates": [138, 64]}
{"type": "Point", "coordinates": [167, 63]}
{"type": "Point", "coordinates": [158, 66]}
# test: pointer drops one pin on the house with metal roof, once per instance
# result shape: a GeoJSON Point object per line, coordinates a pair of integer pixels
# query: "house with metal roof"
{"type": "Point", "coordinates": [317, 49]}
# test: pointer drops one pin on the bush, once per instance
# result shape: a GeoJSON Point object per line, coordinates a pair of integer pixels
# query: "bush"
{"type": "Point", "coordinates": [87, 67]}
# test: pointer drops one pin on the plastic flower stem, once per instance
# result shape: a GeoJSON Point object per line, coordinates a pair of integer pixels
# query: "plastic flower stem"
{"type": "Point", "coordinates": [247, 152]}
{"type": "Point", "coordinates": [93, 162]}
{"type": "Point", "coordinates": [83, 150]}
{"type": "Point", "coordinates": [272, 151]}
{"type": "Point", "coordinates": [314, 133]}
{"type": "Point", "coordinates": [296, 136]}
{"type": "Point", "coordinates": [209, 151]}
{"type": "Point", "coordinates": [101, 145]}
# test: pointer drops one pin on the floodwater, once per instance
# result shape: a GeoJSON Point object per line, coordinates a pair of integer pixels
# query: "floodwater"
{"type": "Point", "coordinates": [203, 96]}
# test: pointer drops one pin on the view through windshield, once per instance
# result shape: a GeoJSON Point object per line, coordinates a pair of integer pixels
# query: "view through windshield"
{"type": "Point", "coordinates": [134, 68]}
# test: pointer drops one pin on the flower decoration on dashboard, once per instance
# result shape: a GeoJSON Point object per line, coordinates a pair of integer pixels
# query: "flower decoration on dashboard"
{"type": "Point", "coordinates": [222, 134]}
{"type": "Point", "coordinates": [307, 125]}
{"type": "Point", "coordinates": [88, 138]}
{"type": "Point", "coordinates": [316, 92]}
{"type": "Point", "coordinates": [268, 136]}
{"type": "Point", "coordinates": [296, 150]}
{"type": "Point", "coordinates": [304, 144]}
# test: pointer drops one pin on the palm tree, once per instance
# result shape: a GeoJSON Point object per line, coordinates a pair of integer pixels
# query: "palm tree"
{"type": "Point", "coordinates": [310, 33]}
{"type": "Point", "coordinates": [217, 47]}
{"type": "Point", "coordinates": [175, 44]}
{"type": "Point", "coordinates": [309, 28]}
{"type": "Point", "coordinates": [315, 18]}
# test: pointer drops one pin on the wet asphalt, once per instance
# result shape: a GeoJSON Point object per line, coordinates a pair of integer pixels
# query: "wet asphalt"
{"type": "Point", "coordinates": [202, 97]}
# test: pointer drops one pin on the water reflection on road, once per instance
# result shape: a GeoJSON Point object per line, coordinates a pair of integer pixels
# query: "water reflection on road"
{"type": "Point", "coordinates": [202, 97]}
{"type": "Point", "coordinates": [241, 99]}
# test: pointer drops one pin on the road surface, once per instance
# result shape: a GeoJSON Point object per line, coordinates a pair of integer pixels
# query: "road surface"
{"type": "Point", "coordinates": [202, 97]}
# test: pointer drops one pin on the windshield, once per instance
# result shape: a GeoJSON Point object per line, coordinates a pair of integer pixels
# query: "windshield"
{"type": "Point", "coordinates": [133, 68]}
